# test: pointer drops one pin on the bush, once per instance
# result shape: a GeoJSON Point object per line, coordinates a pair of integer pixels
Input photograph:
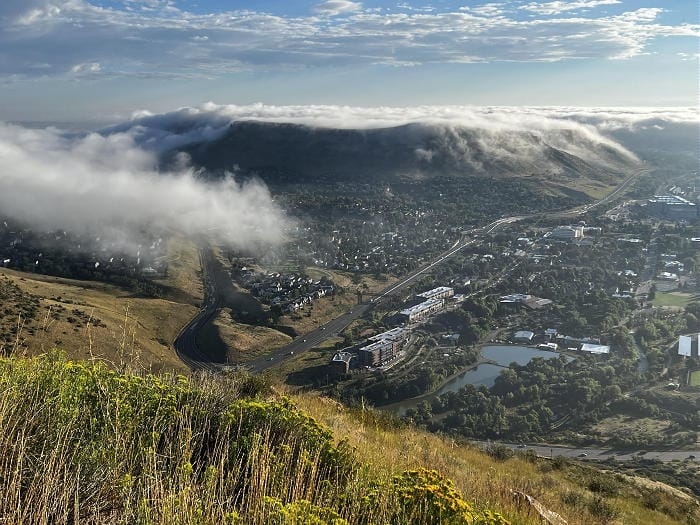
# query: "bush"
{"type": "Point", "coordinates": [602, 484]}
{"type": "Point", "coordinates": [573, 499]}
{"type": "Point", "coordinates": [499, 452]}
{"type": "Point", "coordinates": [602, 509]}
{"type": "Point", "coordinates": [427, 497]}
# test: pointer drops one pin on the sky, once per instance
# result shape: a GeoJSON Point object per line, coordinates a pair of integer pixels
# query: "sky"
{"type": "Point", "coordinates": [101, 60]}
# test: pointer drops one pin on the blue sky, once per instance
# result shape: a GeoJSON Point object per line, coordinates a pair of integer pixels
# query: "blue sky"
{"type": "Point", "coordinates": [102, 59]}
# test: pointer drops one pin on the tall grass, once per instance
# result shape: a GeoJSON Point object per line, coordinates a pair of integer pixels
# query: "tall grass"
{"type": "Point", "coordinates": [81, 443]}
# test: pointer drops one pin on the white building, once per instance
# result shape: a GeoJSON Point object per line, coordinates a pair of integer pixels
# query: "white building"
{"type": "Point", "coordinates": [567, 233]}
{"type": "Point", "coordinates": [441, 292]}
{"type": "Point", "coordinates": [422, 310]}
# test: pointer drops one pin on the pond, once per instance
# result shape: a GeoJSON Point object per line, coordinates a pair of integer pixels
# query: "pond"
{"type": "Point", "coordinates": [484, 374]}
{"type": "Point", "coordinates": [505, 355]}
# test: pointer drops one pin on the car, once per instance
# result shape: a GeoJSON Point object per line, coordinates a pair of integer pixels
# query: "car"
{"type": "Point", "coordinates": [323, 328]}
{"type": "Point", "coordinates": [582, 455]}
{"type": "Point", "coordinates": [691, 456]}
{"type": "Point", "coordinates": [522, 445]}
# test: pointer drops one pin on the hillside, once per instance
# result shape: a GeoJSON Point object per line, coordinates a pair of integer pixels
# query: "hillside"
{"type": "Point", "coordinates": [292, 153]}
{"type": "Point", "coordinates": [93, 319]}
{"type": "Point", "coordinates": [83, 443]}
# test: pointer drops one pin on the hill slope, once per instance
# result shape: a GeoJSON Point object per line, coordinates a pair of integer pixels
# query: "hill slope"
{"type": "Point", "coordinates": [83, 443]}
{"type": "Point", "coordinates": [281, 152]}
{"type": "Point", "coordinates": [89, 318]}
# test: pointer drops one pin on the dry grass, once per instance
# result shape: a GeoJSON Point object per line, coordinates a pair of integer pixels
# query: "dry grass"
{"type": "Point", "coordinates": [184, 271]}
{"type": "Point", "coordinates": [479, 477]}
{"type": "Point", "coordinates": [243, 341]}
{"type": "Point", "coordinates": [82, 444]}
{"type": "Point", "coordinates": [94, 320]}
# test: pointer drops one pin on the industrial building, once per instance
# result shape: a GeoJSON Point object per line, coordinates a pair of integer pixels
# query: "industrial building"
{"type": "Point", "coordinates": [529, 301]}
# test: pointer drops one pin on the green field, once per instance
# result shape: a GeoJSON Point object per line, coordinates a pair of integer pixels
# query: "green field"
{"type": "Point", "coordinates": [695, 378]}
{"type": "Point", "coordinates": [679, 299]}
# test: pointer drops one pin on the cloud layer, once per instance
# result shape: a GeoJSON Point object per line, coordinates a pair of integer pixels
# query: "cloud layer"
{"type": "Point", "coordinates": [208, 122]}
{"type": "Point", "coordinates": [47, 38]}
{"type": "Point", "coordinates": [109, 185]}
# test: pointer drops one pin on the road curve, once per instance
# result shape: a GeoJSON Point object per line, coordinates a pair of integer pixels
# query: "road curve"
{"type": "Point", "coordinates": [185, 343]}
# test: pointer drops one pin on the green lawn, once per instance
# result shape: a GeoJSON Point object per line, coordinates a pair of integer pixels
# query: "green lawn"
{"type": "Point", "coordinates": [695, 378]}
{"type": "Point", "coordinates": [672, 299]}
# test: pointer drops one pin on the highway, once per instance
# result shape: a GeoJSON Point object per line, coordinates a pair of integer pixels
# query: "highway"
{"type": "Point", "coordinates": [598, 454]}
{"type": "Point", "coordinates": [185, 343]}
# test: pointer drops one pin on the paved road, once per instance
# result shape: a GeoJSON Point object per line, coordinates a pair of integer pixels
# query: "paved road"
{"type": "Point", "coordinates": [186, 341]}
{"type": "Point", "coordinates": [597, 454]}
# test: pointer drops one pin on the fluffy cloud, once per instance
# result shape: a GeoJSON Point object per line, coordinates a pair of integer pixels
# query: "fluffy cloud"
{"type": "Point", "coordinates": [337, 7]}
{"type": "Point", "coordinates": [559, 6]}
{"type": "Point", "coordinates": [207, 122]}
{"type": "Point", "coordinates": [108, 184]}
{"type": "Point", "coordinates": [52, 37]}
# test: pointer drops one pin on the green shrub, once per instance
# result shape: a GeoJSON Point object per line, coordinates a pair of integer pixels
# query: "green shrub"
{"type": "Point", "coordinates": [603, 509]}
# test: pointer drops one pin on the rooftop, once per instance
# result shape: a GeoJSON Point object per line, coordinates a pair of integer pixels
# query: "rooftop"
{"type": "Point", "coordinates": [435, 291]}
{"type": "Point", "coordinates": [421, 307]}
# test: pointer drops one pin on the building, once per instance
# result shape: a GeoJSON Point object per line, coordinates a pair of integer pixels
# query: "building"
{"type": "Point", "coordinates": [441, 292]}
{"type": "Point", "coordinates": [342, 362]}
{"type": "Point", "coordinates": [529, 301]}
{"type": "Point", "coordinates": [595, 349]}
{"type": "Point", "coordinates": [569, 341]}
{"type": "Point", "coordinates": [523, 336]}
{"type": "Point", "coordinates": [377, 353]}
{"type": "Point", "coordinates": [687, 347]}
{"type": "Point", "coordinates": [395, 335]}
{"type": "Point", "coordinates": [672, 207]}
{"type": "Point", "coordinates": [667, 276]}
{"type": "Point", "coordinates": [566, 233]}
{"type": "Point", "coordinates": [421, 311]}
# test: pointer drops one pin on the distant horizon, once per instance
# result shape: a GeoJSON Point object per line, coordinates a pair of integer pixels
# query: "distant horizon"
{"type": "Point", "coordinates": [98, 60]}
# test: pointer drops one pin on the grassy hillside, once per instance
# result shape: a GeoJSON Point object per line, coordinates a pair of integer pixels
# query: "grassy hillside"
{"type": "Point", "coordinates": [82, 443]}
{"type": "Point", "coordinates": [91, 319]}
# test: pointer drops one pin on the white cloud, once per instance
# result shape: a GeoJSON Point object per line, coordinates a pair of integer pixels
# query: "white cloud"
{"type": "Point", "coordinates": [167, 42]}
{"type": "Point", "coordinates": [337, 7]}
{"type": "Point", "coordinates": [210, 120]}
{"type": "Point", "coordinates": [689, 56]}
{"type": "Point", "coordinates": [108, 184]}
{"type": "Point", "coordinates": [92, 67]}
{"type": "Point", "coordinates": [560, 6]}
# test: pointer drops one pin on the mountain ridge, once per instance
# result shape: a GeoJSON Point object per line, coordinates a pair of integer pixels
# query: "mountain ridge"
{"type": "Point", "coordinates": [287, 151]}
